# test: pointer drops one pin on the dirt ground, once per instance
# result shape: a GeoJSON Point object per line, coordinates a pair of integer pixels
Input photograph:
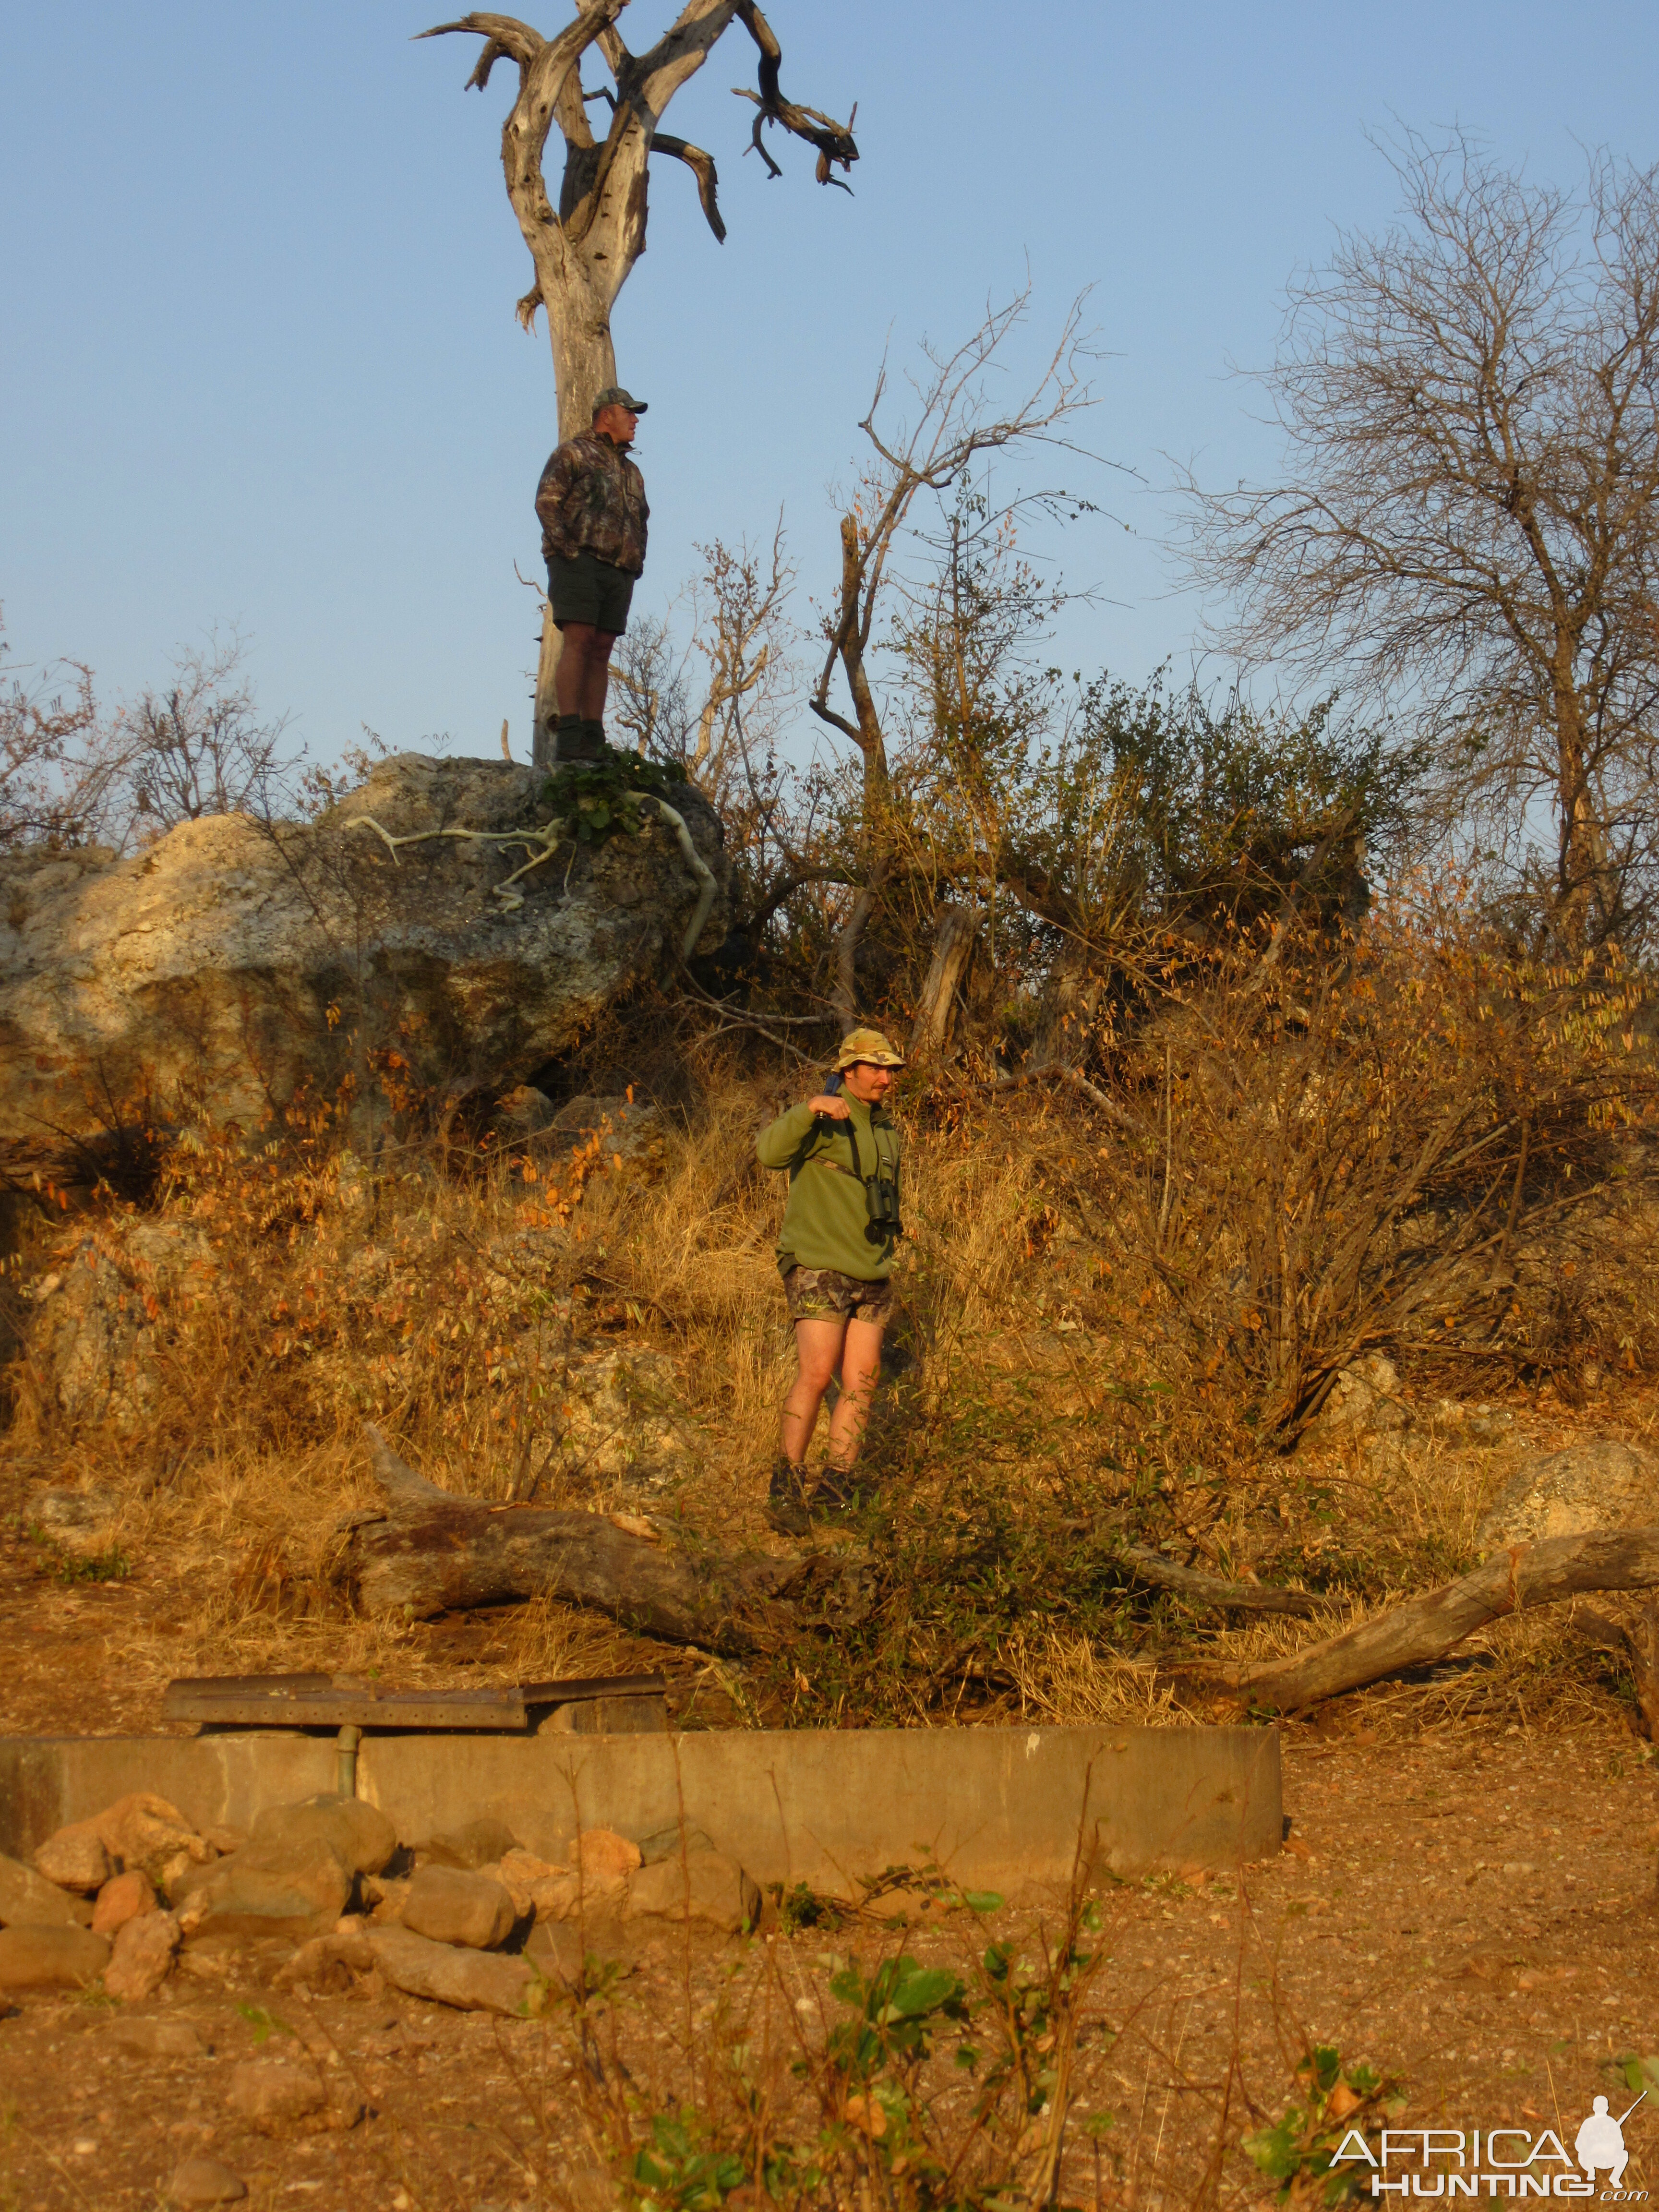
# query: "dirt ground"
{"type": "Point", "coordinates": [1479, 1921]}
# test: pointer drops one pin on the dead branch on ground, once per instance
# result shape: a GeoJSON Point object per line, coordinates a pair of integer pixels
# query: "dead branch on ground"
{"type": "Point", "coordinates": [1426, 1628]}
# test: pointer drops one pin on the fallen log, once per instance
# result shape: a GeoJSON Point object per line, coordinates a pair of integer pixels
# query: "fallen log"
{"type": "Point", "coordinates": [1426, 1628]}
{"type": "Point", "coordinates": [432, 1551]}
{"type": "Point", "coordinates": [1212, 1591]}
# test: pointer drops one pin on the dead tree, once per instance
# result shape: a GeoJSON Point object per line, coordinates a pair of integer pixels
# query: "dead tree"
{"type": "Point", "coordinates": [582, 253]}
{"type": "Point", "coordinates": [953, 948]}
{"type": "Point", "coordinates": [955, 424]}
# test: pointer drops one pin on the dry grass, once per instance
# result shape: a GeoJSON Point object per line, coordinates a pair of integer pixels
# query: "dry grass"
{"type": "Point", "coordinates": [1045, 1399]}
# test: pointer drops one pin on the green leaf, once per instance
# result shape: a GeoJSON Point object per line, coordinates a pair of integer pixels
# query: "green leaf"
{"type": "Point", "coordinates": [982, 1900]}
{"type": "Point", "coordinates": [1277, 2151]}
{"type": "Point", "coordinates": [923, 1992]}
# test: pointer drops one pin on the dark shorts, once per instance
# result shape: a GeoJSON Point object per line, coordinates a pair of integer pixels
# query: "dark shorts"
{"type": "Point", "coordinates": [589, 590]}
{"type": "Point", "coordinates": [825, 1294]}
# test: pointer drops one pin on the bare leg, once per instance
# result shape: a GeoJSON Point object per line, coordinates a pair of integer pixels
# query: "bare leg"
{"type": "Point", "coordinates": [584, 674]}
{"type": "Point", "coordinates": [570, 684]}
{"type": "Point", "coordinates": [597, 679]}
{"type": "Point", "coordinates": [818, 1354]}
{"type": "Point", "coordinates": [860, 1370]}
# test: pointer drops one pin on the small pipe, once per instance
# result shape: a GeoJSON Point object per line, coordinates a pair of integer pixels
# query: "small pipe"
{"type": "Point", "coordinates": [345, 1760]}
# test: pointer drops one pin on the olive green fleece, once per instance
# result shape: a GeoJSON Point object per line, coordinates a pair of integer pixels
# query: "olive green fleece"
{"type": "Point", "coordinates": [826, 1220]}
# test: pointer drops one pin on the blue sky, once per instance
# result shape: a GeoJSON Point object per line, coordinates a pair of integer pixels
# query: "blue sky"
{"type": "Point", "coordinates": [258, 362]}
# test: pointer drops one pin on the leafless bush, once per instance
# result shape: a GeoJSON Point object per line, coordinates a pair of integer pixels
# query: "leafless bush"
{"type": "Point", "coordinates": [199, 746]}
{"type": "Point", "coordinates": [60, 762]}
{"type": "Point", "coordinates": [1333, 1155]}
{"type": "Point", "coordinates": [71, 776]}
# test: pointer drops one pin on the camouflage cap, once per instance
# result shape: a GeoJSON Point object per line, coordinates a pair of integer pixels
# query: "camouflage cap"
{"type": "Point", "coordinates": [867, 1045]}
{"type": "Point", "coordinates": [614, 396]}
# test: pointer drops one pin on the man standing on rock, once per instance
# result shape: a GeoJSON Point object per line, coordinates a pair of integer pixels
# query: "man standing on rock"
{"type": "Point", "coordinates": [836, 1254]}
{"type": "Point", "coordinates": [591, 504]}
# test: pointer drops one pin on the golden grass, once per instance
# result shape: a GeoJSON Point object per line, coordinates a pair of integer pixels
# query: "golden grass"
{"type": "Point", "coordinates": [1037, 1396]}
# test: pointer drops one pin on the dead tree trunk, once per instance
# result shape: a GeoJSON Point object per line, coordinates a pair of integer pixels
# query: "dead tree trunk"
{"type": "Point", "coordinates": [434, 1552]}
{"type": "Point", "coordinates": [1426, 1628]}
{"type": "Point", "coordinates": [953, 948]}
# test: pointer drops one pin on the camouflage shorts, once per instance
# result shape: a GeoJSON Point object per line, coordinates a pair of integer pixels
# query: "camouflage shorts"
{"type": "Point", "coordinates": [825, 1294]}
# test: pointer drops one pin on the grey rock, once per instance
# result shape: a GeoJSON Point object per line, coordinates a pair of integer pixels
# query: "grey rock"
{"type": "Point", "coordinates": [359, 1834]}
{"type": "Point", "coordinates": [452, 1906]}
{"type": "Point", "coordinates": [203, 968]}
{"type": "Point", "coordinates": [142, 1957]}
{"type": "Point", "coordinates": [1365, 1400]}
{"type": "Point", "coordinates": [522, 1112]}
{"type": "Point", "coordinates": [272, 2094]}
{"type": "Point", "coordinates": [51, 1958]}
{"type": "Point", "coordinates": [93, 1337]}
{"type": "Point", "coordinates": [270, 1888]}
{"type": "Point", "coordinates": [156, 2038]}
{"type": "Point", "coordinates": [622, 1125]}
{"type": "Point", "coordinates": [75, 1857]}
{"type": "Point", "coordinates": [479, 1843]}
{"type": "Point", "coordinates": [706, 1887]}
{"type": "Point", "coordinates": [205, 2181]}
{"type": "Point", "coordinates": [145, 1831]}
{"type": "Point", "coordinates": [328, 1965]}
{"type": "Point", "coordinates": [1569, 1493]}
{"type": "Point", "coordinates": [1482, 1426]}
{"type": "Point", "coordinates": [27, 1900]}
{"type": "Point", "coordinates": [473, 1981]}
{"type": "Point", "coordinates": [74, 1517]}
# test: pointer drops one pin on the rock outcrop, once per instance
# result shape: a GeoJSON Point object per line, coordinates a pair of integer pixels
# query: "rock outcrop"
{"type": "Point", "coordinates": [233, 967]}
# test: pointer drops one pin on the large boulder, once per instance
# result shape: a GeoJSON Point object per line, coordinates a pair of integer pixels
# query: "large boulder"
{"type": "Point", "coordinates": [232, 965]}
{"type": "Point", "coordinates": [473, 1981]}
{"type": "Point", "coordinates": [1573, 1492]}
{"type": "Point", "coordinates": [451, 1906]}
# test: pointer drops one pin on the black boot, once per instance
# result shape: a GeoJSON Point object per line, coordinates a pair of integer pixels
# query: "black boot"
{"type": "Point", "coordinates": [836, 1490]}
{"type": "Point", "coordinates": [786, 1499]}
{"type": "Point", "coordinates": [593, 740]}
{"type": "Point", "coordinates": [567, 737]}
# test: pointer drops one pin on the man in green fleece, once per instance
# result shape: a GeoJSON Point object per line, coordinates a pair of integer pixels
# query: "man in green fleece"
{"type": "Point", "coordinates": [836, 1254]}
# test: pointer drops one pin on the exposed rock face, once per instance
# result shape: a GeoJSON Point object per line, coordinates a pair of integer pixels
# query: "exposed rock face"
{"type": "Point", "coordinates": [231, 966]}
{"type": "Point", "coordinates": [1572, 1492]}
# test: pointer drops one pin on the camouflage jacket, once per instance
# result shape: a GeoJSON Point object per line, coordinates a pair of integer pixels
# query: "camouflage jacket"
{"type": "Point", "coordinates": [592, 500]}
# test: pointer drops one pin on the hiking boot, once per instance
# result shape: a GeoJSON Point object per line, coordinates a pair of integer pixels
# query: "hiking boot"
{"type": "Point", "coordinates": [837, 1489]}
{"type": "Point", "coordinates": [786, 1500]}
{"type": "Point", "coordinates": [580, 740]}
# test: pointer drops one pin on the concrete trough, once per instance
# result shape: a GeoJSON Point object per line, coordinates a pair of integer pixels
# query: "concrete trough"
{"type": "Point", "coordinates": [996, 1807]}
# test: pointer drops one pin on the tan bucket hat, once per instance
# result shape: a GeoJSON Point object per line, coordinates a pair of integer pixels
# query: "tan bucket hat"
{"type": "Point", "coordinates": [870, 1045]}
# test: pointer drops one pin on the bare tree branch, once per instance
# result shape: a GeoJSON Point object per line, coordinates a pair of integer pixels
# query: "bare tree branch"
{"type": "Point", "coordinates": [835, 145]}
{"type": "Point", "coordinates": [701, 166]}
